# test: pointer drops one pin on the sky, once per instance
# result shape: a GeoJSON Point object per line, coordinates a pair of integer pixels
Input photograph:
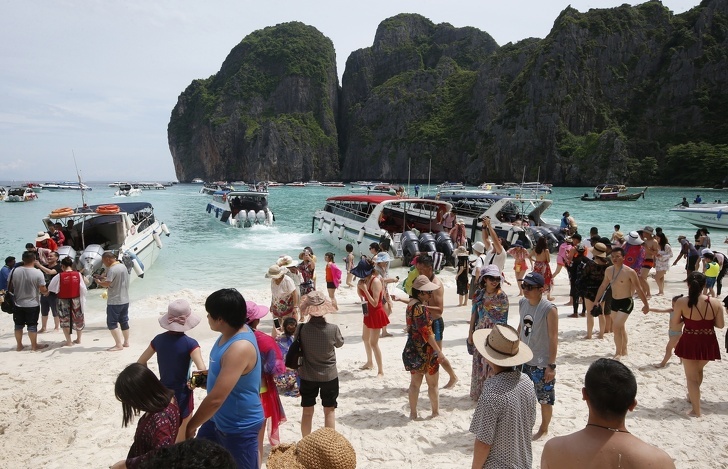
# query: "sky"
{"type": "Point", "coordinates": [96, 80]}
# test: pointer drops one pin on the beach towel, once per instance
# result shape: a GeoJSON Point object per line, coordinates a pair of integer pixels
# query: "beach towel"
{"type": "Point", "coordinates": [335, 274]}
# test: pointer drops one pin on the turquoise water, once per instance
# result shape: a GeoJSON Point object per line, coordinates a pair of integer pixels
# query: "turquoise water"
{"type": "Point", "coordinates": [202, 254]}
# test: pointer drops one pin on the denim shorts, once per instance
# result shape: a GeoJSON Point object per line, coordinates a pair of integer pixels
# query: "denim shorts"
{"type": "Point", "coordinates": [117, 315]}
{"type": "Point", "coordinates": [243, 446]}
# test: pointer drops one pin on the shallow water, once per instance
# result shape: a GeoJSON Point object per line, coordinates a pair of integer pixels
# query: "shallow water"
{"type": "Point", "coordinates": [202, 254]}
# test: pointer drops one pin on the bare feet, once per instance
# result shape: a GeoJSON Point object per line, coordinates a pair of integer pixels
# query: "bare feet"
{"type": "Point", "coordinates": [77, 341]}
{"type": "Point", "coordinates": [660, 365]}
{"type": "Point", "coordinates": [574, 315]}
{"type": "Point", "coordinates": [386, 334]}
{"type": "Point", "coordinates": [39, 347]}
{"type": "Point", "coordinates": [126, 344]}
{"type": "Point", "coordinates": [617, 357]}
{"type": "Point", "coordinates": [380, 374]}
{"type": "Point", "coordinates": [539, 434]}
{"type": "Point", "coordinates": [367, 366]}
{"type": "Point", "coordinates": [115, 348]}
{"type": "Point", "coordinates": [588, 337]}
{"type": "Point", "coordinates": [19, 348]}
{"type": "Point", "coordinates": [693, 414]}
{"type": "Point", "coordinates": [414, 417]}
{"type": "Point", "coordinates": [42, 331]}
{"type": "Point", "coordinates": [434, 414]}
{"type": "Point", "coordinates": [451, 384]}
{"type": "Point", "coordinates": [66, 343]}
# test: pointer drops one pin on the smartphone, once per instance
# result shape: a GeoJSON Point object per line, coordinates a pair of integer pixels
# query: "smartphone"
{"type": "Point", "coordinates": [277, 323]}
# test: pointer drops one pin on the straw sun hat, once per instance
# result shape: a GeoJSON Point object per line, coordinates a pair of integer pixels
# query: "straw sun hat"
{"type": "Point", "coordinates": [316, 304]}
{"type": "Point", "coordinates": [276, 271]}
{"type": "Point", "coordinates": [500, 346]}
{"type": "Point", "coordinates": [324, 448]}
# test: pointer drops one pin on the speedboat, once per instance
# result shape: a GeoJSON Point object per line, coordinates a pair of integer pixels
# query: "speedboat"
{"type": "Point", "coordinates": [130, 230]}
{"type": "Point", "coordinates": [20, 194]}
{"type": "Point", "coordinates": [333, 184]}
{"type": "Point", "coordinates": [210, 188]}
{"type": "Point", "coordinates": [3, 193]}
{"type": "Point", "coordinates": [197, 181]}
{"type": "Point", "coordinates": [407, 226]}
{"type": "Point", "coordinates": [704, 215]}
{"type": "Point", "coordinates": [127, 190]}
{"type": "Point", "coordinates": [65, 186]}
{"type": "Point", "coordinates": [241, 209]}
{"type": "Point", "coordinates": [451, 185]}
{"type": "Point", "coordinates": [35, 187]}
{"type": "Point", "coordinates": [312, 183]}
{"type": "Point", "coordinates": [295, 184]}
{"type": "Point", "coordinates": [513, 218]}
{"type": "Point", "coordinates": [391, 189]}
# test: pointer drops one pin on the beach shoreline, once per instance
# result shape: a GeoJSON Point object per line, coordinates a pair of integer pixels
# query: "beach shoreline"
{"type": "Point", "coordinates": [63, 397]}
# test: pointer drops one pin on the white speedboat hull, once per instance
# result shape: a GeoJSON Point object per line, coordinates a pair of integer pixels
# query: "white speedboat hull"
{"type": "Point", "coordinates": [711, 216]}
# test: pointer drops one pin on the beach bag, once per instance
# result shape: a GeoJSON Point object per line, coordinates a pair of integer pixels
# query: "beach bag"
{"type": "Point", "coordinates": [8, 304]}
{"type": "Point", "coordinates": [294, 357]}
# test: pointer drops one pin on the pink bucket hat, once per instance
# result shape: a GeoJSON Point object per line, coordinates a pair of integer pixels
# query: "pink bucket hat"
{"type": "Point", "coordinates": [179, 317]}
{"type": "Point", "coordinates": [255, 311]}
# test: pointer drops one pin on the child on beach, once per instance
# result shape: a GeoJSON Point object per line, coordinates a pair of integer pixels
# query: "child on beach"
{"type": "Point", "coordinates": [174, 350]}
{"type": "Point", "coordinates": [139, 390]}
{"type": "Point", "coordinates": [349, 263]}
{"type": "Point", "coordinates": [673, 335]}
{"type": "Point", "coordinates": [711, 269]}
{"type": "Point", "coordinates": [287, 382]}
{"type": "Point", "coordinates": [333, 277]}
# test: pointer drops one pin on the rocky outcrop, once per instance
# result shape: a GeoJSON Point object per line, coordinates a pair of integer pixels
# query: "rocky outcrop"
{"type": "Point", "coordinates": [269, 113]}
{"type": "Point", "coordinates": [610, 94]}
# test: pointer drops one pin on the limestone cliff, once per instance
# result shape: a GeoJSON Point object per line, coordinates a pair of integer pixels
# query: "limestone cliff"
{"type": "Point", "coordinates": [269, 113]}
{"type": "Point", "coordinates": [625, 94]}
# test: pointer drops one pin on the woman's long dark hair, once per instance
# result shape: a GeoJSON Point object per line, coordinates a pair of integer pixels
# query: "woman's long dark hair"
{"type": "Point", "coordinates": [696, 283]}
{"type": "Point", "coordinates": [662, 240]}
{"type": "Point", "coordinates": [541, 245]}
{"type": "Point", "coordinates": [138, 389]}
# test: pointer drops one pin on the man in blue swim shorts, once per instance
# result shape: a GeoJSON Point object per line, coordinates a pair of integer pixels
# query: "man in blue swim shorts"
{"type": "Point", "coordinates": [539, 329]}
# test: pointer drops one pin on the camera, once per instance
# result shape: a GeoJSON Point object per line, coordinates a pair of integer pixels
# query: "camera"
{"type": "Point", "coordinates": [198, 379]}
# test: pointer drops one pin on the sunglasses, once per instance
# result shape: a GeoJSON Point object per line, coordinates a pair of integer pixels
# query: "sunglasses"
{"type": "Point", "coordinates": [492, 279]}
{"type": "Point", "coordinates": [530, 287]}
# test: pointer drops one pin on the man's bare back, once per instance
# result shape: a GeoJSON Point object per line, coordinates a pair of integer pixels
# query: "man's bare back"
{"type": "Point", "coordinates": [601, 448]}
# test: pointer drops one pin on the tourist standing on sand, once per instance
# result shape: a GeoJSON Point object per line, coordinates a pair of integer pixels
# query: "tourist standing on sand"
{"type": "Point", "coordinates": [284, 294]}
{"type": "Point", "coordinates": [421, 355]}
{"type": "Point", "coordinates": [539, 329]}
{"type": "Point", "coordinates": [27, 282]}
{"type": "Point", "coordinates": [588, 283]}
{"type": "Point", "coordinates": [609, 390]}
{"type": "Point", "coordinates": [698, 344]}
{"type": "Point", "coordinates": [662, 262]}
{"type": "Point", "coordinates": [307, 270]}
{"type": "Point", "coordinates": [318, 373]}
{"type": "Point", "coordinates": [652, 249]}
{"type": "Point", "coordinates": [436, 306]}
{"type": "Point", "coordinates": [624, 282]}
{"type": "Point", "coordinates": [519, 254]}
{"type": "Point", "coordinates": [231, 414]}
{"type": "Point", "coordinates": [117, 301]}
{"type": "Point", "coordinates": [48, 302]}
{"type": "Point", "coordinates": [541, 258]}
{"type": "Point", "coordinates": [375, 316]}
{"type": "Point", "coordinates": [506, 410]}
{"type": "Point", "coordinates": [688, 251]}
{"type": "Point", "coordinates": [175, 351]}
{"type": "Point", "coordinates": [70, 290]}
{"type": "Point", "coordinates": [461, 276]}
{"type": "Point", "coordinates": [490, 307]}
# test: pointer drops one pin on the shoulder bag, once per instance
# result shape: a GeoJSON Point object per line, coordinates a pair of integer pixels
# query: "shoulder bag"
{"type": "Point", "coordinates": [8, 305]}
{"type": "Point", "coordinates": [294, 357]}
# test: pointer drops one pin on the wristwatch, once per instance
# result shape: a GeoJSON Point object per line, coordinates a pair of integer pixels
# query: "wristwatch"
{"type": "Point", "coordinates": [552, 366]}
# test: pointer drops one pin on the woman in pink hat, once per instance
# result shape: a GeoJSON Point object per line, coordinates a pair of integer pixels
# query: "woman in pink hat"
{"type": "Point", "coordinates": [272, 363]}
{"type": "Point", "coordinates": [174, 351]}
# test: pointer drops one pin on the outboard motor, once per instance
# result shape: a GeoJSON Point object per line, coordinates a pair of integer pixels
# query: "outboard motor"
{"type": "Point", "coordinates": [427, 242]}
{"type": "Point", "coordinates": [67, 251]}
{"type": "Point", "coordinates": [90, 259]}
{"type": "Point", "coordinates": [446, 247]}
{"type": "Point", "coordinates": [251, 216]}
{"type": "Point", "coordinates": [260, 217]}
{"type": "Point", "coordinates": [410, 246]}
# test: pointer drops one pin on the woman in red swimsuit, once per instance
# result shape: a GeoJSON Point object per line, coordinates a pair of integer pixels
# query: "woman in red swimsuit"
{"type": "Point", "coordinates": [375, 316]}
{"type": "Point", "coordinates": [698, 344]}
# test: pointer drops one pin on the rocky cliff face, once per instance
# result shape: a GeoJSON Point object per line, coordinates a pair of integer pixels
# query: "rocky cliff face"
{"type": "Point", "coordinates": [269, 113]}
{"type": "Point", "coordinates": [609, 94]}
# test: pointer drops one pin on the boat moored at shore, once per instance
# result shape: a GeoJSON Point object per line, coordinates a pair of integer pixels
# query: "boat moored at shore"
{"type": "Point", "coordinates": [130, 230]}
{"type": "Point", "coordinates": [20, 194]}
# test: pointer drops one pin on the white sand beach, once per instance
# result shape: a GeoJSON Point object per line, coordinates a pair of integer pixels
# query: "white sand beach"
{"type": "Point", "coordinates": [60, 410]}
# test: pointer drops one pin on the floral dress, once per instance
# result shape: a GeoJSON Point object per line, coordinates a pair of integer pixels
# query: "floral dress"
{"type": "Point", "coordinates": [286, 382]}
{"type": "Point", "coordinates": [662, 262]}
{"type": "Point", "coordinates": [519, 255]}
{"type": "Point", "coordinates": [488, 310]}
{"type": "Point", "coordinates": [418, 356]}
{"type": "Point", "coordinates": [306, 271]}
